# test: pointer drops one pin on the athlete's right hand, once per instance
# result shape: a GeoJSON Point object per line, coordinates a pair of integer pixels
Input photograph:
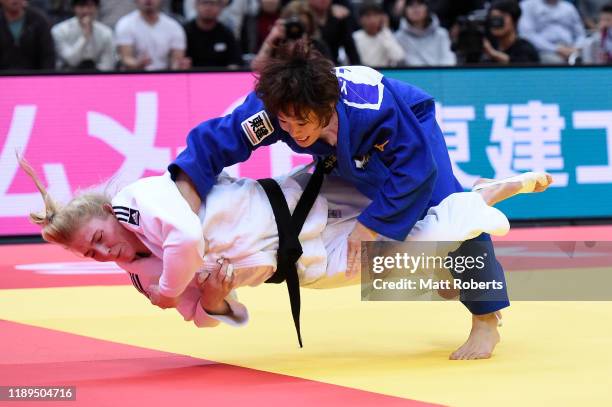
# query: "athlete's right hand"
{"type": "Point", "coordinates": [359, 234]}
{"type": "Point", "coordinates": [161, 300]}
{"type": "Point", "coordinates": [215, 287]}
{"type": "Point", "coordinates": [276, 34]}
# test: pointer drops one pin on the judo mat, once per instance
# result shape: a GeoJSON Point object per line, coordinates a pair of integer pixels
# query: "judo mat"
{"type": "Point", "coordinates": [66, 321]}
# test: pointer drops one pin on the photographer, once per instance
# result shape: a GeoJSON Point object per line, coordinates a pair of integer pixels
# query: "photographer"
{"type": "Point", "coordinates": [296, 22]}
{"type": "Point", "coordinates": [505, 46]}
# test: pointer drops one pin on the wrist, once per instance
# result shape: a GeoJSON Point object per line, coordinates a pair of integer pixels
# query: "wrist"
{"type": "Point", "coordinates": [369, 232]}
{"type": "Point", "coordinates": [221, 308]}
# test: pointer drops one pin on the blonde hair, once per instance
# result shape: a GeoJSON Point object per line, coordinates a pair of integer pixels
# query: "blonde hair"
{"type": "Point", "coordinates": [59, 222]}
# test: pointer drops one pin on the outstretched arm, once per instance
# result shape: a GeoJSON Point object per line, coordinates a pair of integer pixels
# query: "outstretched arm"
{"type": "Point", "coordinates": [222, 142]}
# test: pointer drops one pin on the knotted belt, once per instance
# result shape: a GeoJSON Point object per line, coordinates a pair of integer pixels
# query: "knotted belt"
{"type": "Point", "coordinates": [289, 227]}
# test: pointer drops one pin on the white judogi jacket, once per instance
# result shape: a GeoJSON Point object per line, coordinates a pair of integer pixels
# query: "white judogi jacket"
{"type": "Point", "coordinates": [235, 222]}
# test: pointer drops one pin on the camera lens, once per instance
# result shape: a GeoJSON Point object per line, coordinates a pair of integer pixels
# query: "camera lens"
{"type": "Point", "coordinates": [496, 22]}
{"type": "Point", "coordinates": [294, 28]}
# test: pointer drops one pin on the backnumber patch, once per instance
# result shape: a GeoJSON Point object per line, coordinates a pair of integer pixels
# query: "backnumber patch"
{"type": "Point", "coordinates": [257, 127]}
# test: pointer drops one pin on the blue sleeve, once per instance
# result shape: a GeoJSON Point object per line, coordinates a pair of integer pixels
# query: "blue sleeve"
{"type": "Point", "coordinates": [405, 195]}
{"type": "Point", "coordinates": [222, 142]}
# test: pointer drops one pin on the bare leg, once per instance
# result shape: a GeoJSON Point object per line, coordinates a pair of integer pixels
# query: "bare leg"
{"type": "Point", "coordinates": [501, 191]}
{"type": "Point", "coordinates": [484, 335]}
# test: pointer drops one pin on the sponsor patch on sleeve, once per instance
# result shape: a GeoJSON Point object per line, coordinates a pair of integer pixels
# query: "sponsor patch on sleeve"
{"type": "Point", "coordinates": [257, 127]}
{"type": "Point", "coordinates": [127, 215]}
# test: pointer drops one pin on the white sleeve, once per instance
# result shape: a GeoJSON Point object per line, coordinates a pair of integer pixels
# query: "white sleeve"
{"type": "Point", "coordinates": [190, 308]}
{"type": "Point", "coordinates": [167, 220]}
{"type": "Point", "coordinates": [123, 33]}
{"type": "Point", "coordinates": [395, 52]}
{"type": "Point", "coordinates": [71, 53]}
{"type": "Point", "coordinates": [577, 28]}
{"type": "Point", "coordinates": [107, 60]}
{"type": "Point", "coordinates": [239, 316]}
{"type": "Point", "coordinates": [448, 56]}
{"type": "Point", "coordinates": [179, 39]}
{"type": "Point", "coordinates": [183, 248]}
{"type": "Point", "coordinates": [528, 29]}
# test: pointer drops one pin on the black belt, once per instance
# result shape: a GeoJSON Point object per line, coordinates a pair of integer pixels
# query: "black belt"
{"type": "Point", "coordinates": [289, 227]}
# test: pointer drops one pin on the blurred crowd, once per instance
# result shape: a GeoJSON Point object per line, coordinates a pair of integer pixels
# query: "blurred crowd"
{"type": "Point", "coordinates": [148, 35]}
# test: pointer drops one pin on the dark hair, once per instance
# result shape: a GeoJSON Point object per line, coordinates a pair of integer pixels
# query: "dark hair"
{"type": "Point", "coordinates": [85, 2]}
{"type": "Point", "coordinates": [607, 8]}
{"type": "Point", "coordinates": [428, 19]}
{"type": "Point", "coordinates": [299, 80]}
{"type": "Point", "coordinates": [370, 7]}
{"type": "Point", "coordinates": [509, 7]}
{"type": "Point", "coordinates": [410, 2]}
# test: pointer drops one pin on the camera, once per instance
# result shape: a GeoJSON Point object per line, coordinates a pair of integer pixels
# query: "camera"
{"type": "Point", "coordinates": [294, 29]}
{"type": "Point", "coordinates": [473, 29]}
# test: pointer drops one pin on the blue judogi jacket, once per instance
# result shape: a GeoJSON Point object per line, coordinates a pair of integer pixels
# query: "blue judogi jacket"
{"type": "Point", "coordinates": [389, 146]}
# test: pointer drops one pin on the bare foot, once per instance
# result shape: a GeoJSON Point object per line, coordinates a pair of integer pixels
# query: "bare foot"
{"type": "Point", "coordinates": [482, 340]}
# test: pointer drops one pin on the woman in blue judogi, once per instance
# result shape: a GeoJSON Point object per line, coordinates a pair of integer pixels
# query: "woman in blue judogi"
{"type": "Point", "coordinates": [378, 133]}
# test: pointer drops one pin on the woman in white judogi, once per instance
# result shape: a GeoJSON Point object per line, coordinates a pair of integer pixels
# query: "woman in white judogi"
{"type": "Point", "coordinates": [149, 230]}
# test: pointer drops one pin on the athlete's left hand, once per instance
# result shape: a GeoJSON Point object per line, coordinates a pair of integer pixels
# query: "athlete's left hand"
{"type": "Point", "coordinates": [353, 261]}
{"type": "Point", "coordinates": [215, 287]}
{"type": "Point", "coordinates": [161, 300]}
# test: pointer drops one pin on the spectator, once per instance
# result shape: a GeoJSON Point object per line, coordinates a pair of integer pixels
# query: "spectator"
{"type": "Point", "coordinates": [233, 16]}
{"type": "Point", "coordinates": [554, 27]}
{"type": "Point", "coordinates": [256, 29]}
{"type": "Point", "coordinates": [112, 10]}
{"type": "Point", "coordinates": [506, 47]}
{"type": "Point", "coordinates": [82, 42]}
{"type": "Point", "coordinates": [375, 43]}
{"type": "Point", "coordinates": [423, 40]}
{"type": "Point", "coordinates": [335, 32]}
{"type": "Point", "coordinates": [597, 49]}
{"type": "Point", "coordinates": [25, 37]}
{"type": "Point", "coordinates": [209, 42]}
{"type": "Point", "coordinates": [237, 12]}
{"type": "Point", "coordinates": [149, 39]}
{"type": "Point", "coordinates": [589, 10]}
{"type": "Point", "coordinates": [297, 21]}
